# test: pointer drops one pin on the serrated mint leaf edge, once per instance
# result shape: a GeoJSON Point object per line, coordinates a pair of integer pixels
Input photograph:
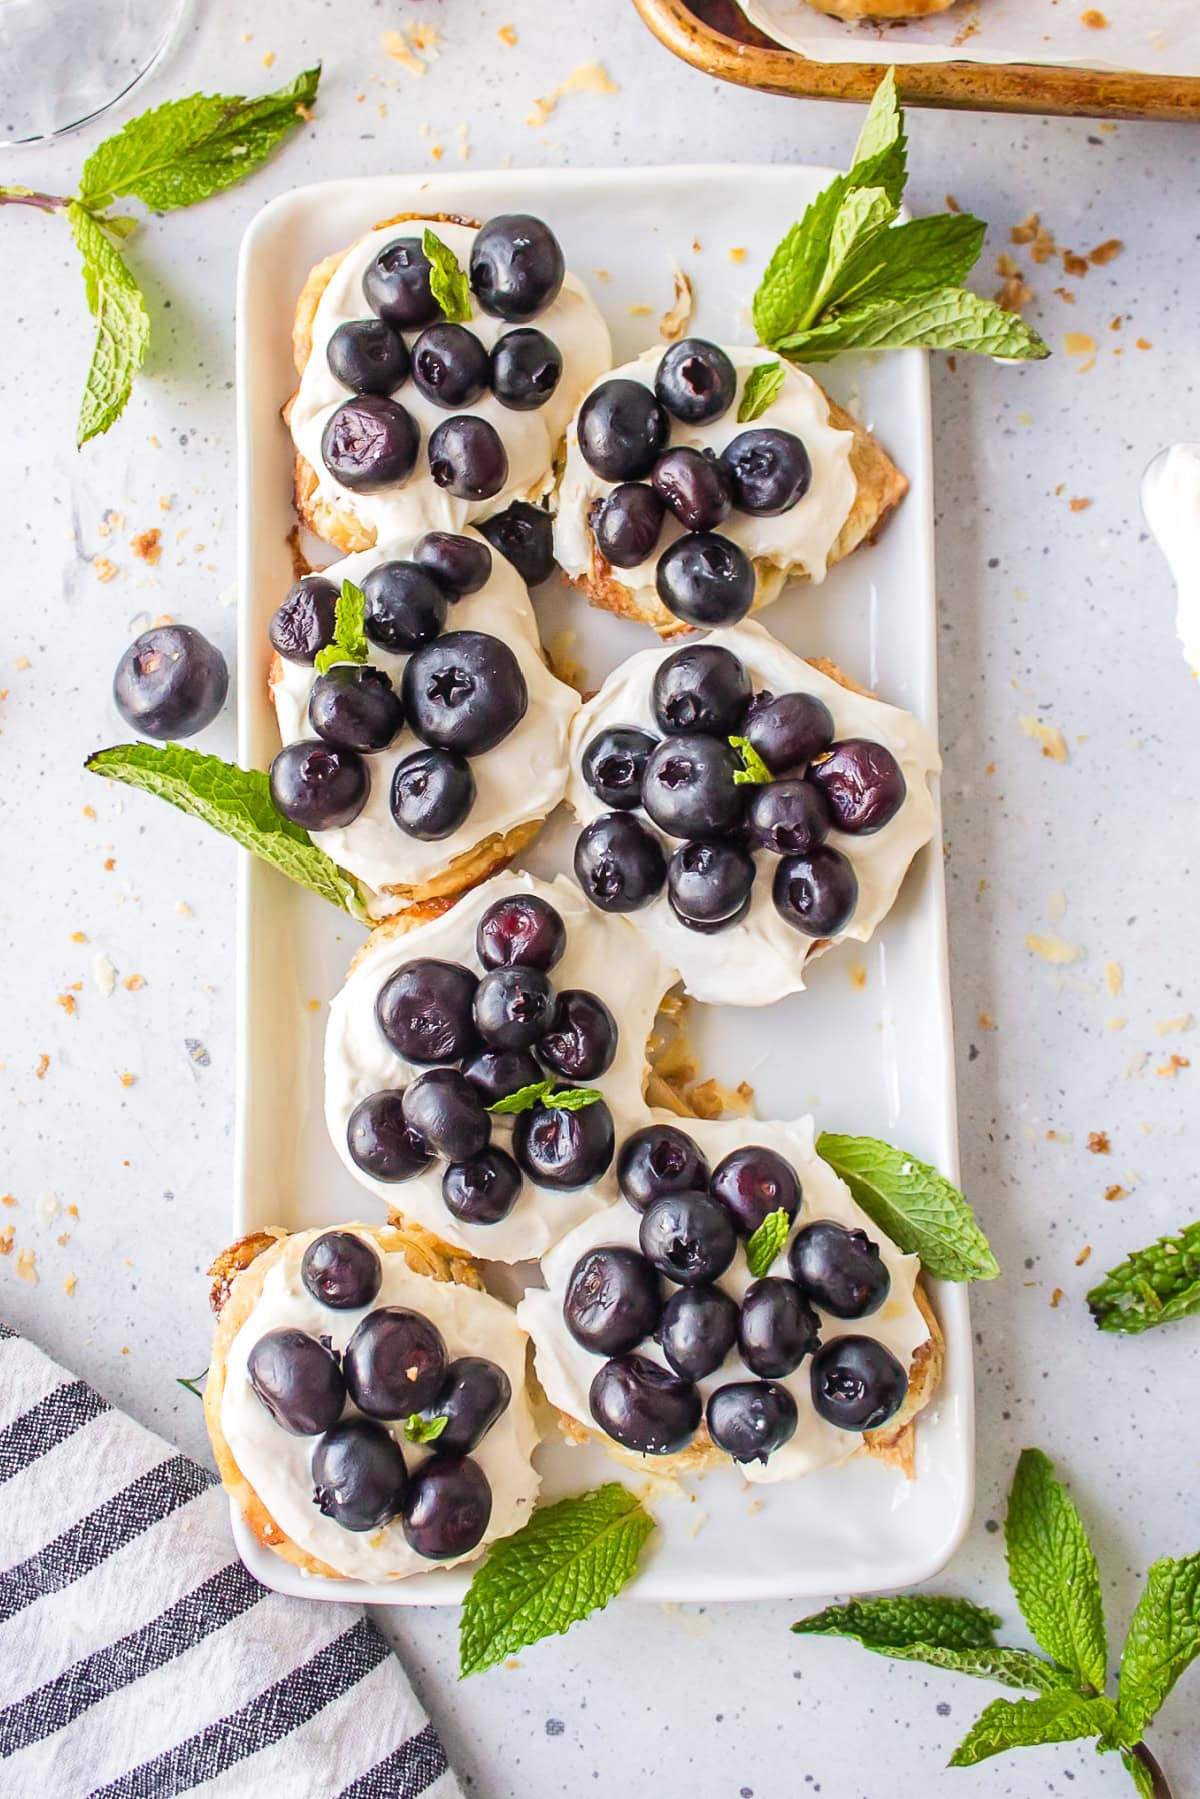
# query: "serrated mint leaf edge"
{"type": "Point", "coordinates": [523, 1100]}
{"type": "Point", "coordinates": [1128, 1300]}
{"type": "Point", "coordinates": [762, 389]}
{"type": "Point", "coordinates": [940, 1619]}
{"type": "Point", "coordinates": [448, 281]}
{"type": "Point", "coordinates": [349, 637]}
{"type": "Point", "coordinates": [754, 771]}
{"type": "Point", "coordinates": [1053, 1572]}
{"type": "Point", "coordinates": [765, 1243]}
{"type": "Point", "coordinates": [942, 318]}
{"type": "Point", "coordinates": [962, 1255]}
{"type": "Point", "coordinates": [1060, 1717]}
{"type": "Point", "coordinates": [122, 327]}
{"type": "Point", "coordinates": [1163, 1639]}
{"type": "Point", "coordinates": [573, 1099]}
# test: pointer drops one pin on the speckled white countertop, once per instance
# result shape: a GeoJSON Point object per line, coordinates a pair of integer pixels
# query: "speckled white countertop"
{"type": "Point", "coordinates": [1048, 610]}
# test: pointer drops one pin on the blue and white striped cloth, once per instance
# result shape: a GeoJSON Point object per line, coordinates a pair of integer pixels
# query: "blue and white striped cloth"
{"type": "Point", "coordinates": [139, 1659]}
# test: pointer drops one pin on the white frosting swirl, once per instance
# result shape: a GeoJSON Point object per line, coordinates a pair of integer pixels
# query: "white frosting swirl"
{"type": "Point", "coordinates": [760, 959]}
{"type": "Point", "coordinates": [566, 1370]}
{"type": "Point", "coordinates": [604, 955]}
{"type": "Point", "coordinates": [531, 439]}
{"type": "Point", "coordinates": [278, 1465]}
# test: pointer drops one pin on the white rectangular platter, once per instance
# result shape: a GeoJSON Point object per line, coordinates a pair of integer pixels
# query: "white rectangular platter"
{"type": "Point", "coordinates": [868, 1049]}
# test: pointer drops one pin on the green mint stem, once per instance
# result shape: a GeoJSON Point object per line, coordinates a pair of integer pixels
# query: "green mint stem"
{"type": "Point", "coordinates": [1158, 1780]}
{"type": "Point", "coordinates": [43, 202]}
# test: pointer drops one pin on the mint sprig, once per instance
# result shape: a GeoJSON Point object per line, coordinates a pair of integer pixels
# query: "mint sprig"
{"type": "Point", "coordinates": [567, 1562]}
{"type": "Point", "coordinates": [1153, 1286]}
{"type": "Point", "coordinates": [447, 279]}
{"type": "Point", "coordinates": [1053, 1572]}
{"type": "Point", "coordinates": [122, 325]}
{"type": "Point", "coordinates": [542, 1093]}
{"type": "Point", "coordinates": [349, 638]}
{"type": "Point", "coordinates": [847, 276]}
{"type": "Point", "coordinates": [424, 1430]}
{"type": "Point", "coordinates": [762, 389]}
{"type": "Point", "coordinates": [916, 1206]}
{"type": "Point", "coordinates": [754, 771]}
{"type": "Point", "coordinates": [765, 1243]}
{"type": "Point", "coordinates": [237, 802]}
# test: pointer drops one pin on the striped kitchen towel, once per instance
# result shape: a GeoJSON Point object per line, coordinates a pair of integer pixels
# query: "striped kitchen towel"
{"type": "Point", "coordinates": [138, 1658]}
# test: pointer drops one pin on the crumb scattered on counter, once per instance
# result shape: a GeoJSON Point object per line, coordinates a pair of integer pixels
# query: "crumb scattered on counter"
{"type": "Point", "coordinates": [103, 568]}
{"type": "Point", "coordinates": [147, 545]}
{"type": "Point", "coordinates": [78, 936]}
{"type": "Point", "coordinates": [127, 1079]}
{"type": "Point", "coordinates": [1052, 948]}
{"type": "Point", "coordinates": [737, 254]}
{"type": "Point", "coordinates": [133, 983]}
{"type": "Point", "coordinates": [1093, 19]}
{"type": "Point", "coordinates": [26, 1266]}
{"type": "Point", "coordinates": [397, 47]}
{"type": "Point", "coordinates": [1054, 744]}
{"type": "Point", "coordinates": [1172, 1066]}
{"type": "Point", "coordinates": [67, 1002]}
{"type": "Point", "coordinates": [1083, 1255]}
{"type": "Point", "coordinates": [1056, 1298]}
{"type": "Point", "coordinates": [42, 1064]}
{"type": "Point", "coordinates": [1116, 1191]}
{"type": "Point", "coordinates": [857, 972]}
{"type": "Point", "coordinates": [69, 1285]}
{"type": "Point", "coordinates": [1098, 1143]}
{"type": "Point", "coordinates": [1079, 505]}
{"type": "Point", "coordinates": [588, 78]}
{"type": "Point", "coordinates": [7, 1236]}
{"type": "Point", "coordinates": [640, 311]}
{"type": "Point", "coordinates": [508, 35]}
{"type": "Point", "coordinates": [1113, 976]}
{"type": "Point", "coordinates": [268, 61]}
{"type": "Point", "coordinates": [1053, 1136]}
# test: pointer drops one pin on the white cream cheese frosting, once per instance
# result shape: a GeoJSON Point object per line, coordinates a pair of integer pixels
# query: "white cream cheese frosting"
{"type": "Point", "coordinates": [1171, 503]}
{"type": "Point", "coordinates": [604, 955]}
{"type": "Point", "coordinates": [566, 1369]}
{"type": "Point", "coordinates": [278, 1465]}
{"type": "Point", "coordinates": [795, 542]}
{"type": "Point", "coordinates": [531, 439]}
{"type": "Point", "coordinates": [519, 781]}
{"type": "Point", "coordinates": [759, 959]}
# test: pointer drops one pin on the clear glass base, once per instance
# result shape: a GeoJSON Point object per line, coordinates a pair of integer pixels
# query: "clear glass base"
{"type": "Point", "coordinates": [63, 62]}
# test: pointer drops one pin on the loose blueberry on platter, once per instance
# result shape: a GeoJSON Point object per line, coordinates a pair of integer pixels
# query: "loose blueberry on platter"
{"type": "Point", "coordinates": [745, 808]}
{"type": "Point", "coordinates": [674, 511]}
{"type": "Point", "coordinates": [427, 765]}
{"type": "Point", "coordinates": [368, 1402]}
{"type": "Point", "coordinates": [656, 1334]}
{"type": "Point", "coordinates": [171, 682]}
{"type": "Point", "coordinates": [405, 416]}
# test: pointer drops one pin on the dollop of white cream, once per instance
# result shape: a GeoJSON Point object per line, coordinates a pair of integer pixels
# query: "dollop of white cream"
{"type": "Point", "coordinates": [604, 955]}
{"type": "Point", "coordinates": [760, 959]}
{"type": "Point", "coordinates": [531, 439]}
{"type": "Point", "coordinates": [278, 1465]}
{"type": "Point", "coordinates": [1171, 504]}
{"type": "Point", "coordinates": [521, 780]}
{"type": "Point", "coordinates": [792, 543]}
{"type": "Point", "coordinates": [566, 1370]}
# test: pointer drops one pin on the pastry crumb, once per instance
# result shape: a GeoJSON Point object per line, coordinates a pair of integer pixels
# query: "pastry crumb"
{"type": "Point", "coordinates": [1172, 1066]}
{"type": "Point", "coordinates": [588, 78]}
{"type": "Point", "coordinates": [507, 35]}
{"type": "Point", "coordinates": [103, 569]}
{"type": "Point", "coordinates": [1054, 744]}
{"type": "Point", "coordinates": [1113, 976]}
{"type": "Point", "coordinates": [396, 46]}
{"type": "Point", "coordinates": [1098, 1143]}
{"type": "Point", "coordinates": [26, 1266]}
{"type": "Point", "coordinates": [1116, 1191]}
{"type": "Point", "coordinates": [640, 311]}
{"type": "Point", "coordinates": [1105, 252]}
{"type": "Point", "coordinates": [1083, 1255]}
{"type": "Point", "coordinates": [858, 975]}
{"type": "Point", "coordinates": [1093, 19]}
{"type": "Point", "coordinates": [674, 322]}
{"type": "Point", "coordinates": [40, 1067]}
{"type": "Point", "coordinates": [737, 254]}
{"type": "Point", "coordinates": [1052, 948]}
{"type": "Point", "coordinates": [1078, 343]}
{"type": "Point", "coordinates": [985, 1022]}
{"type": "Point", "coordinates": [127, 1079]}
{"type": "Point", "coordinates": [1143, 343]}
{"type": "Point", "coordinates": [69, 1285]}
{"type": "Point", "coordinates": [147, 546]}
{"type": "Point", "coordinates": [1079, 505]}
{"type": "Point", "coordinates": [1053, 1136]}
{"type": "Point", "coordinates": [1056, 1298]}
{"type": "Point", "coordinates": [7, 1236]}
{"type": "Point", "coordinates": [8, 1199]}
{"type": "Point", "coordinates": [268, 61]}
{"type": "Point", "coordinates": [67, 1002]}
{"type": "Point", "coordinates": [1116, 1024]}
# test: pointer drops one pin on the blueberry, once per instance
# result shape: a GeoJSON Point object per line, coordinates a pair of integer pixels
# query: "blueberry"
{"type": "Point", "coordinates": [495, 1073]}
{"type": "Point", "coordinates": [709, 883]}
{"type": "Point", "coordinates": [699, 1328]}
{"type": "Point", "coordinates": [476, 1393]}
{"type": "Point", "coordinates": [706, 580]}
{"type": "Point", "coordinates": [581, 1039]}
{"type": "Point", "coordinates": [450, 366]}
{"type": "Point", "coordinates": [396, 285]}
{"type": "Point", "coordinates": [769, 469]}
{"type": "Point", "coordinates": [627, 524]}
{"type": "Point", "coordinates": [445, 1111]}
{"type": "Point", "coordinates": [526, 367]}
{"type": "Point", "coordinates": [305, 621]}
{"type": "Point", "coordinates": [788, 818]}
{"type": "Point", "coordinates": [778, 1327]}
{"type": "Point", "coordinates": [789, 731]}
{"type": "Point", "coordinates": [857, 1384]}
{"type": "Point", "coordinates": [517, 266]}
{"type": "Point", "coordinates": [644, 1406]}
{"type": "Point", "coordinates": [523, 535]}
{"type": "Point", "coordinates": [614, 763]}
{"type": "Point", "coordinates": [694, 485]}
{"type": "Point", "coordinates": [816, 893]}
{"type": "Point", "coordinates": [840, 1270]}
{"type": "Point", "coordinates": [424, 1011]}
{"type": "Point", "coordinates": [702, 687]}
{"type": "Point", "coordinates": [696, 381]}
{"type": "Point", "coordinates": [622, 430]}
{"type": "Point", "coordinates": [341, 1270]}
{"type": "Point", "coordinates": [483, 1190]}
{"type": "Point", "coordinates": [359, 1477]}
{"type": "Point", "coordinates": [355, 707]}
{"type": "Point", "coordinates": [751, 1182]}
{"type": "Point", "coordinates": [467, 458]}
{"type": "Point", "coordinates": [513, 1006]}
{"type": "Point", "coordinates": [561, 1149]}
{"type": "Point", "coordinates": [368, 357]}
{"type": "Point", "coordinates": [657, 1160]}
{"type": "Point", "coordinates": [689, 789]}
{"type": "Point", "coordinates": [459, 565]}
{"type": "Point", "coordinates": [298, 1381]}
{"type": "Point", "coordinates": [751, 1419]}
{"type": "Point", "coordinates": [405, 607]}
{"type": "Point", "coordinates": [432, 793]}
{"type": "Point", "coordinates": [619, 863]}
{"type": "Point", "coordinates": [318, 786]}
{"type": "Point", "coordinates": [613, 1300]}
{"type": "Point", "coordinates": [369, 443]}
{"type": "Point", "coordinates": [862, 782]}
{"type": "Point", "coordinates": [447, 1507]}
{"type": "Point", "coordinates": [688, 1237]}
{"type": "Point", "coordinates": [395, 1363]}
{"type": "Point", "coordinates": [464, 692]}
{"type": "Point", "coordinates": [523, 931]}
{"type": "Point", "coordinates": [170, 682]}
{"type": "Point", "coordinates": [380, 1141]}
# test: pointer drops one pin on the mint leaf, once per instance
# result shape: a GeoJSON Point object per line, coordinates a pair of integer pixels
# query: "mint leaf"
{"type": "Point", "coordinates": [573, 1099]}
{"type": "Point", "coordinates": [1020, 1723]}
{"type": "Point", "coordinates": [914, 257]}
{"type": "Point", "coordinates": [523, 1100]}
{"type": "Point", "coordinates": [783, 299]}
{"type": "Point", "coordinates": [1163, 1640]}
{"type": "Point", "coordinates": [424, 1430]}
{"type": "Point", "coordinates": [945, 318]}
{"type": "Point", "coordinates": [896, 1623]}
{"type": "Point", "coordinates": [236, 801]}
{"type": "Point", "coordinates": [754, 771]}
{"type": "Point", "coordinates": [447, 281]}
{"type": "Point", "coordinates": [1053, 1572]}
{"type": "Point", "coordinates": [915, 1205]}
{"type": "Point", "coordinates": [349, 639]}
{"type": "Point", "coordinates": [1142, 1778]}
{"type": "Point", "coordinates": [122, 327]}
{"type": "Point", "coordinates": [881, 153]}
{"type": "Point", "coordinates": [187, 150]}
{"type": "Point", "coordinates": [191, 1383]}
{"type": "Point", "coordinates": [1158, 1285]}
{"type": "Point", "coordinates": [765, 1243]}
{"type": "Point", "coordinates": [568, 1561]}
{"type": "Point", "coordinates": [762, 388]}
